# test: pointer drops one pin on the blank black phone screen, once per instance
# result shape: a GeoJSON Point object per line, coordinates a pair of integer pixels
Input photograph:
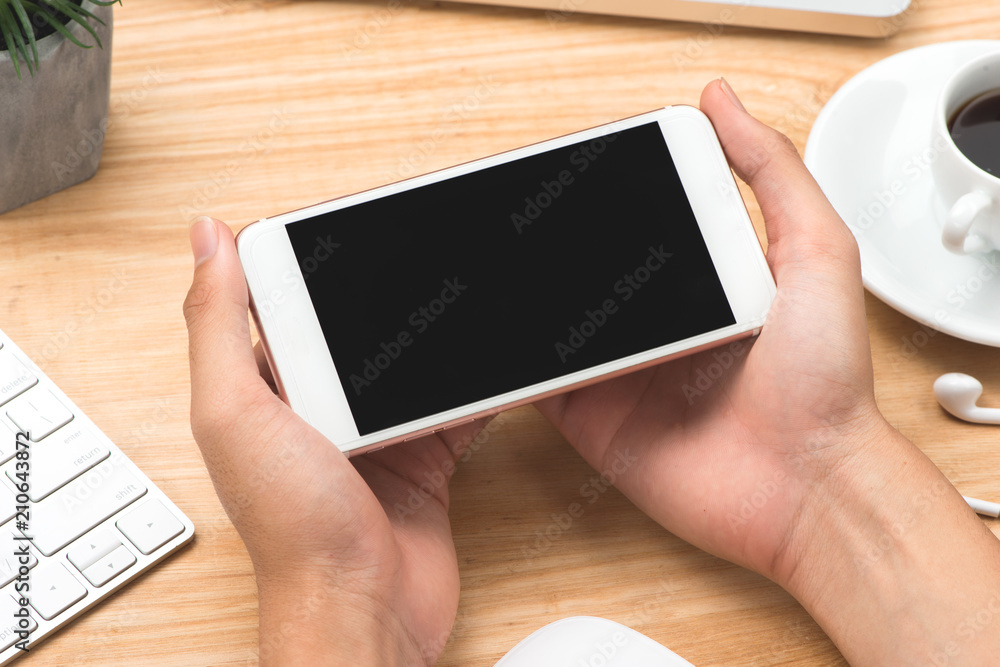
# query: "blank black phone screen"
{"type": "Point", "coordinates": [500, 279]}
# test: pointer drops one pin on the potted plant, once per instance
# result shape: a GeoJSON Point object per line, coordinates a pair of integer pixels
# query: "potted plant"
{"type": "Point", "coordinates": [54, 94]}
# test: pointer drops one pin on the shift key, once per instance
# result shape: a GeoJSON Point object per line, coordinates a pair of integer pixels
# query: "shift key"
{"type": "Point", "coordinates": [79, 506]}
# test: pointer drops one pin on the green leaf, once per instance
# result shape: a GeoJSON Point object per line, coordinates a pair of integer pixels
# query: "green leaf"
{"type": "Point", "coordinates": [9, 39]}
{"type": "Point", "coordinates": [26, 25]}
{"type": "Point", "coordinates": [12, 35]}
{"type": "Point", "coordinates": [16, 26]}
{"type": "Point", "coordinates": [59, 27]}
{"type": "Point", "coordinates": [74, 13]}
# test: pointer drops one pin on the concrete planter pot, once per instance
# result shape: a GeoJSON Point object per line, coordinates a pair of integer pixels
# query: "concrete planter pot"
{"type": "Point", "coordinates": [53, 123]}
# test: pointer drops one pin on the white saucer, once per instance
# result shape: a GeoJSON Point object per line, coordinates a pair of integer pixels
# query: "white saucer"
{"type": "Point", "coordinates": [869, 150]}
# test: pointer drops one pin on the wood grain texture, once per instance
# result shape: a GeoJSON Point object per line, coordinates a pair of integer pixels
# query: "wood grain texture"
{"type": "Point", "coordinates": [248, 108]}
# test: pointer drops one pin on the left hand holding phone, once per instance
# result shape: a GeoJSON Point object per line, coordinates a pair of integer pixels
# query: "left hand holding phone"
{"type": "Point", "coordinates": [340, 574]}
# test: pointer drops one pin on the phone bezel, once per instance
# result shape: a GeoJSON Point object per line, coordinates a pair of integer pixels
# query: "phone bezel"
{"type": "Point", "coordinates": [301, 362]}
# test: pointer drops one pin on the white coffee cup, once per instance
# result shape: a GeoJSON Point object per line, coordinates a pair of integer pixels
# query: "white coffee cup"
{"type": "Point", "coordinates": [970, 195]}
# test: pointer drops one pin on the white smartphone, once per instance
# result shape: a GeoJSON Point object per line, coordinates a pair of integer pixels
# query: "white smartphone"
{"type": "Point", "coordinates": [421, 305]}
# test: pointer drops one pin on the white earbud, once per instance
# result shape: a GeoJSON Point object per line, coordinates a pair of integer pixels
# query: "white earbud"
{"type": "Point", "coordinates": [957, 393]}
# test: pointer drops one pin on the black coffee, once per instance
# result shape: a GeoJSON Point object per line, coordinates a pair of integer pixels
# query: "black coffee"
{"type": "Point", "coordinates": [975, 129]}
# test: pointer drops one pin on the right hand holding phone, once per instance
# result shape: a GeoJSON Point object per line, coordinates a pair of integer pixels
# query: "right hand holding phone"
{"type": "Point", "coordinates": [774, 455]}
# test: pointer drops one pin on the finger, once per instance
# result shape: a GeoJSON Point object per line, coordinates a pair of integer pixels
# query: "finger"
{"type": "Point", "coordinates": [263, 367]}
{"type": "Point", "coordinates": [465, 440]}
{"type": "Point", "coordinates": [221, 355]}
{"type": "Point", "coordinates": [427, 463]}
{"type": "Point", "coordinates": [812, 253]}
{"type": "Point", "coordinates": [796, 212]}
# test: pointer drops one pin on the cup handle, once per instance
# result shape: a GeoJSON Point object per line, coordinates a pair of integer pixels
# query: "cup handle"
{"type": "Point", "coordinates": [956, 236]}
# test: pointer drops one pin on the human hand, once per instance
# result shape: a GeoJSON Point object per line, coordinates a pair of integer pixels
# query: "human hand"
{"type": "Point", "coordinates": [783, 463]}
{"type": "Point", "coordinates": [354, 558]}
{"type": "Point", "coordinates": [771, 416]}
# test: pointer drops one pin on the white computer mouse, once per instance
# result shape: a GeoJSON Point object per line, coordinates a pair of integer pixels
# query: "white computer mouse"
{"type": "Point", "coordinates": [587, 641]}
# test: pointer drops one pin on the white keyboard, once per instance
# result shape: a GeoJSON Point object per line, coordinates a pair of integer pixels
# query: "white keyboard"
{"type": "Point", "coordinates": [94, 520]}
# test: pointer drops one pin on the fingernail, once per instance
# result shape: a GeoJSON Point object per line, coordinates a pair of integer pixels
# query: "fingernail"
{"type": "Point", "coordinates": [731, 94]}
{"type": "Point", "coordinates": [204, 239]}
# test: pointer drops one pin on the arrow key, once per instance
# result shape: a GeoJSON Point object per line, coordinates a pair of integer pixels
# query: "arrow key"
{"type": "Point", "coordinates": [110, 566]}
{"type": "Point", "coordinates": [150, 526]}
{"type": "Point", "coordinates": [93, 547]}
{"type": "Point", "coordinates": [54, 589]}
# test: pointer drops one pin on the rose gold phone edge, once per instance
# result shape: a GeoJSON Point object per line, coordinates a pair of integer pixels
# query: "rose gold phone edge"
{"type": "Point", "coordinates": [507, 406]}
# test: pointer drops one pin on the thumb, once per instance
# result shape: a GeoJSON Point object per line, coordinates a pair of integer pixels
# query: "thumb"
{"type": "Point", "coordinates": [798, 217]}
{"type": "Point", "coordinates": [223, 366]}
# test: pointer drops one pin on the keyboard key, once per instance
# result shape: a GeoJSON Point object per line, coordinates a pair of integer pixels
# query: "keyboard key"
{"type": "Point", "coordinates": [39, 413]}
{"type": "Point", "coordinates": [79, 486]}
{"type": "Point", "coordinates": [14, 377]}
{"type": "Point", "coordinates": [82, 504]}
{"type": "Point", "coordinates": [10, 562]}
{"type": "Point", "coordinates": [54, 589]}
{"type": "Point", "coordinates": [150, 526]}
{"type": "Point", "coordinates": [10, 624]}
{"type": "Point", "coordinates": [68, 453]}
{"type": "Point", "coordinates": [8, 443]}
{"type": "Point", "coordinates": [7, 504]}
{"type": "Point", "coordinates": [92, 548]}
{"type": "Point", "coordinates": [110, 566]}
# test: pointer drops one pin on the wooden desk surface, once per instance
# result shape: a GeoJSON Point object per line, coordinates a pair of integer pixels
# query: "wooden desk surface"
{"type": "Point", "coordinates": [246, 108]}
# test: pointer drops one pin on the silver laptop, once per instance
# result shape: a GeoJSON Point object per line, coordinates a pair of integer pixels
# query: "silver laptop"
{"type": "Point", "coordinates": [867, 18]}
